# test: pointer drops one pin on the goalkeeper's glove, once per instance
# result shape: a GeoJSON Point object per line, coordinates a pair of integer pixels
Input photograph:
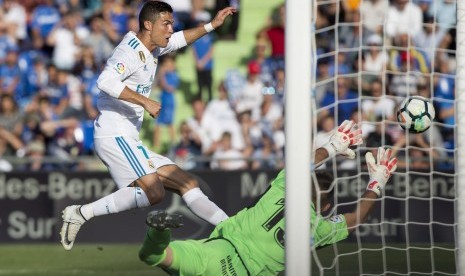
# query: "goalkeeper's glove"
{"type": "Point", "coordinates": [381, 171]}
{"type": "Point", "coordinates": [347, 135]}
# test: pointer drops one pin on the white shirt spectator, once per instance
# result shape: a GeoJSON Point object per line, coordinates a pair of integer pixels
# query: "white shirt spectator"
{"type": "Point", "coordinates": [373, 13]}
{"type": "Point", "coordinates": [251, 97]}
{"type": "Point", "coordinates": [407, 19]}
{"type": "Point", "coordinates": [383, 107]}
{"type": "Point", "coordinates": [220, 117]}
{"type": "Point", "coordinates": [15, 14]}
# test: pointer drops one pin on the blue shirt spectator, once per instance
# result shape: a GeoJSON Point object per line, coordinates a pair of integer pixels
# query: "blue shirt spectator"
{"type": "Point", "coordinates": [201, 48]}
{"type": "Point", "coordinates": [345, 108]}
{"type": "Point", "coordinates": [444, 89]}
{"type": "Point", "coordinates": [10, 75]}
{"type": "Point", "coordinates": [44, 18]}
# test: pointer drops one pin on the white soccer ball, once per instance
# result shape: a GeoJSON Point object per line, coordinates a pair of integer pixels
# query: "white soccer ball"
{"type": "Point", "coordinates": [415, 114]}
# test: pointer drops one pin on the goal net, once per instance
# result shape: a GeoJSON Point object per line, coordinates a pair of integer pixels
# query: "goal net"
{"type": "Point", "coordinates": [371, 54]}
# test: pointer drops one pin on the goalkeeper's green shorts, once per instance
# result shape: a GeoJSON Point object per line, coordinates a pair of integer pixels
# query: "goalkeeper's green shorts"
{"type": "Point", "coordinates": [206, 257]}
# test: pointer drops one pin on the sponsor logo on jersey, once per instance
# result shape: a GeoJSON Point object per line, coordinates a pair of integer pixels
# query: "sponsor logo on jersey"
{"type": "Point", "coordinates": [336, 219]}
{"type": "Point", "coordinates": [120, 67]}
{"type": "Point", "coordinates": [142, 56]}
{"type": "Point", "coordinates": [151, 165]}
{"type": "Point", "coordinates": [143, 89]}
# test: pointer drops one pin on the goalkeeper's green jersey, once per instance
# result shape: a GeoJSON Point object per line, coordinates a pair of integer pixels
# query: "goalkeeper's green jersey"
{"type": "Point", "coordinates": [257, 232]}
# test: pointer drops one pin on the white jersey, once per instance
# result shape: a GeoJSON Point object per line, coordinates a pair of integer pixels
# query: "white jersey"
{"type": "Point", "coordinates": [132, 65]}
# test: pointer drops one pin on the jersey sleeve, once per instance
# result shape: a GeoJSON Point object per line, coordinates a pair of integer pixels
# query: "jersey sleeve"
{"type": "Point", "coordinates": [328, 231]}
{"type": "Point", "coordinates": [119, 67]}
{"type": "Point", "coordinates": [177, 40]}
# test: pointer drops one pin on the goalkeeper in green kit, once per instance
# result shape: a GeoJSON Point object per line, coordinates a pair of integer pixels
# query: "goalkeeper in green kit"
{"type": "Point", "coordinates": [252, 241]}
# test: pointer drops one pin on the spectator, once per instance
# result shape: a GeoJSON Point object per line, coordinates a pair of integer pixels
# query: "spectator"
{"type": "Point", "coordinates": [326, 126]}
{"type": "Point", "coordinates": [431, 37]}
{"type": "Point", "coordinates": [44, 18]}
{"type": "Point", "coordinates": [403, 17]}
{"type": "Point", "coordinates": [66, 42]}
{"type": "Point", "coordinates": [185, 152]}
{"type": "Point", "coordinates": [10, 75]}
{"type": "Point", "coordinates": [15, 17]}
{"type": "Point", "coordinates": [267, 156]}
{"type": "Point", "coordinates": [198, 124]}
{"type": "Point", "coordinates": [231, 26]}
{"type": "Point", "coordinates": [252, 94]}
{"type": "Point", "coordinates": [445, 12]}
{"type": "Point", "coordinates": [343, 93]}
{"type": "Point", "coordinates": [405, 84]}
{"type": "Point", "coordinates": [270, 115]}
{"type": "Point", "coordinates": [100, 39]}
{"type": "Point", "coordinates": [56, 91]}
{"type": "Point", "coordinates": [339, 65]}
{"type": "Point", "coordinates": [203, 55]}
{"type": "Point", "coordinates": [373, 13]}
{"type": "Point", "coordinates": [378, 106]}
{"type": "Point", "coordinates": [35, 152]}
{"type": "Point", "coordinates": [115, 14]}
{"type": "Point", "coordinates": [225, 157]}
{"type": "Point", "coordinates": [219, 118]}
{"type": "Point", "coordinates": [405, 52]}
{"type": "Point", "coordinates": [274, 34]}
{"type": "Point", "coordinates": [350, 40]}
{"type": "Point", "coordinates": [279, 85]}
{"type": "Point", "coordinates": [444, 93]}
{"type": "Point", "coordinates": [375, 59]}
{"type": "Point", "coordinates": [73, 87]}
{"type": "Point", "coordinates": [267, 69]}
{"type": "Point", "coordinates": [10, 115]}
{"type": "Point", "coordinates": [168, 80]}
{"type": "Point", "coordinates": [6, 42]}
{"type": "Point", "coordinates": [182, 14]}
{"type": "Point", "coordinates": [36, 80]}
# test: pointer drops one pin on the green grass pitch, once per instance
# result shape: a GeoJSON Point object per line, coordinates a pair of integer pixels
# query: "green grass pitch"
{"type": "Point", "coordinates": [121, 259]}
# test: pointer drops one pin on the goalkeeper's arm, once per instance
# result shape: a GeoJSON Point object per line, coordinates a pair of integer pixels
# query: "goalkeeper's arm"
{"type": "Point", "coordinates": [380, 173]}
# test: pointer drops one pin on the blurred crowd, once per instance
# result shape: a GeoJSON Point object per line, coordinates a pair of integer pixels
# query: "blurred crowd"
{"type": "Point", "coordinates": [369, 55]}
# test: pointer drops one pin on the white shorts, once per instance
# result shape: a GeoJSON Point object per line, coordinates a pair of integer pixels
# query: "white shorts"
{"type": "Point", "coordinates": [128, 159]}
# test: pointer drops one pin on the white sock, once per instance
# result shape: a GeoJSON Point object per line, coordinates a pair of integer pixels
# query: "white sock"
{"type": "Point", "coordinates": [199, 203]}
{"type": "Point", "coordinates": [124, 199]}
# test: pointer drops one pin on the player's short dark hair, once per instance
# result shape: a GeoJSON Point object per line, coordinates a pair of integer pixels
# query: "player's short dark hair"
{"type": "Point", "coordinates": [151, 11]}
{"type": "Point", "coordinates": [324, 180]}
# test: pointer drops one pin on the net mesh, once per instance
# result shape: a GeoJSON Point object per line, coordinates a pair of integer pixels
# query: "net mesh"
{"type": "Point", "coordinates": [371, 55]}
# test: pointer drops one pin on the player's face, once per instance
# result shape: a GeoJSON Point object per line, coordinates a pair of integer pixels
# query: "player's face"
{"type": "Point", "coordinates": [162, 29]}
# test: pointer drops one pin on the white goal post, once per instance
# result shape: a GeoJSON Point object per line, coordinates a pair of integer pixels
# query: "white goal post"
{"type": "Point", "coordinates": [460, 137]}
{"type": "Point", "coordinates": [298, 133]}
{"type": "Point", "coordinates": [413, 229]}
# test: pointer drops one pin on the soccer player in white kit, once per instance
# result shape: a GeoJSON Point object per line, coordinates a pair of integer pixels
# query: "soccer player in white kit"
{"type": "Point", "coordinates": [126, 82]}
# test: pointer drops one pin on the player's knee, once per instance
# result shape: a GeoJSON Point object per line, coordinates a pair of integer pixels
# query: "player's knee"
{"type": "Point", "coordinates": [155, 195]}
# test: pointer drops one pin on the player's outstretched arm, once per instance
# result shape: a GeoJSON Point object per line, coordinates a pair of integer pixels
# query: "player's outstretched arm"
{"type": "Point", "coordinates": [347, 134]}
{"type": "Point", "coordinates": [193, 34]}
{"type": "Point", "coordinates": [380, 171]}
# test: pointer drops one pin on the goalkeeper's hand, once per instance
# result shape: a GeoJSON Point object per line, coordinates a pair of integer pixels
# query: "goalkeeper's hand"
{"type": "Point", "coordinates": [347, 134]}
{"type": "Point", "coordinates": [380, 171]}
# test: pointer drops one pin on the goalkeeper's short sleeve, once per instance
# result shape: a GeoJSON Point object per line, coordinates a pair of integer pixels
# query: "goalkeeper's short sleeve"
{"type": "Point", "coordinates": [328, 231]}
